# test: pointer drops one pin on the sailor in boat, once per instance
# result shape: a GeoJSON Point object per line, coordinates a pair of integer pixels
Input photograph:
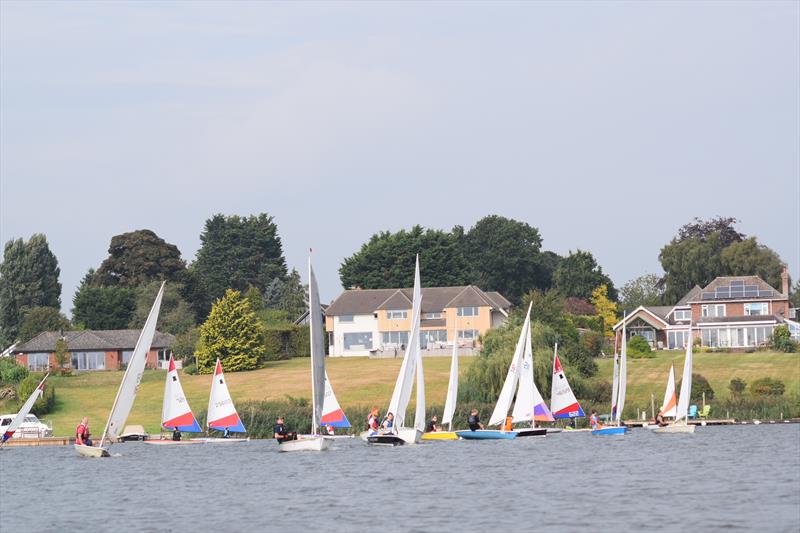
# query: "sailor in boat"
{"type": "Point", "coordinates": [474, 420]}
{"type": "Point", "coordinates": [329, 429]}
{"type": "Point", "coordinates": [594, 422]}
{"type": "Point", "coordinates": [433, 425]}
{"type": "Point", "coordinates": [372, 419]}
{"type": "Point", "coordinates": [660, 419]}
{"type": "Point", "coordinates": [227, 433]}
{"type": "Point", "coordinates": [82, 433]}
{"type": "Point", "coordinates": [282, 434]}
{"type": "Point", "coordinates": [388, 424]}
{"type": "Point", "coordinates": [176, 434]}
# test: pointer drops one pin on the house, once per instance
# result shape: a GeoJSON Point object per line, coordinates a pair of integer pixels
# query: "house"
{"type": "Point", "coordinates": [378, 321]}
{"type": "Point", "coordinates": [92, 349]}
{"type": "Point", "coordinates": [737, 312]}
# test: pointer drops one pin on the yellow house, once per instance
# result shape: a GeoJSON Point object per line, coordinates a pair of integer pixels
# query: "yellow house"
{"type": "Point", "coordinates": [378, 321]}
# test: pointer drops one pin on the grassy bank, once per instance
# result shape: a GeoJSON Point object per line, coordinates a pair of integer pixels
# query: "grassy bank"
{"type": "Point", "coordinates": [361, 382]}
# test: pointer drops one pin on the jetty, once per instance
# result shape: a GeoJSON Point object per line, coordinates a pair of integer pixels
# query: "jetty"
{"type": "Point", "coordinates": [44, 441]}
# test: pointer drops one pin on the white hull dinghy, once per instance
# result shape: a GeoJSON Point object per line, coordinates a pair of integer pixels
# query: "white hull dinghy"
{"type": "Point", "coordinates": [410, 435]}
{"type": "Point", "coordinates": [675, 428]}
{"type": "Point", "coordinates": [681, 424]}
{"type": "Point", "coordinates": [91, 451]}
{"type": "Point", "coordinates": [306, 443]}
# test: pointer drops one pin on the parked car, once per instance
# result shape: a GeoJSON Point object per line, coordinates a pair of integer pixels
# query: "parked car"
{"type": "Point", "coordinates": [31, 427]}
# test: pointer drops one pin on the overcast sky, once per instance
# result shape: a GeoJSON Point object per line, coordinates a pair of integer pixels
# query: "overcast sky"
{"type": "Point", "coordinates": [605, 125]}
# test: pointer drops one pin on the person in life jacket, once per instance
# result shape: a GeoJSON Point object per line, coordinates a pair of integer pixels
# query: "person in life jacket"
{"type": "Point", "coordinates": [372, 419]}
{"type": "Point", "coordinates": [82, 433]}
{"type": "Point", "coordinates": [660, 419]}
{"type": "Point", "coordinates": [594, 422]}
{"type": "Point", "coordinates": [329, 429]}
{"type": "Point", "coordinates": [388, 423]}
{"type": "Point", "coordinates": [176, 434]}
{"type": "Point", "coordinates": [433, 425]}
{"type": "Point", "coordinates": [474, 420]}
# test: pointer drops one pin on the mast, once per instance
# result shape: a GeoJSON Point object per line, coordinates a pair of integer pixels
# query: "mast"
{"type": "Point", "coordinates": [317, 350]}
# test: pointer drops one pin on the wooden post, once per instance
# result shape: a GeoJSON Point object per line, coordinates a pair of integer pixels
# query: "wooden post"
{"type": "Point", "coordinates": [653, 404]}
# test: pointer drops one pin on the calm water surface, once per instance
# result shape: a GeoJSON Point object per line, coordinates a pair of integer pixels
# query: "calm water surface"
{"type": "Point", "coordinates": [734, 478]}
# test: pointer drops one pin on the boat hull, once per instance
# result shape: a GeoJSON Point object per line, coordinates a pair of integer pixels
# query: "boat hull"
{"type": "Point", "coordinates": [677, 428]}
{"type": "Point", "coordinates": [91, 451]}
{"type": "Point", "coordinates": [410, 435]}
{"type": "Point", "coordinates": [581, 430]}
{"type": "Point", "coordinates": [364, 435]}
{"type": "Point", "coordinates": [550, 431]}
{"type": "Point", "coordinates": [385, 440]}
{"type": "Point", "coordinates": [611, 430]}
{"type": "Point", "coordinates": [531, 432]}
{"type": "Point", "coordinates": [167, 442]}
{"type": "Point", "coordinates": [306, 443]}
{"type": "Point", "coordinates": [486, 434]}
{"type": "Point", "coordinates": [440, 435]}
{"type": "Point", "coordinates": [220, 440]}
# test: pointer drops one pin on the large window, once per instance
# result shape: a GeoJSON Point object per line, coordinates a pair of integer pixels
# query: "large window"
{"type": "Point", "coordinates": [683, 314]}
{"type": "Point", "coordinates": [346, 318]}
{"type": "Point", "coordinates": [760, 308]}
{"type": "Point", "coordinates": [735, 337]}
{"type": "Point", "coordinates": [89, 360]}
{"type": "Point", "coordinates": [433, 338]}
{"type": "Point", "coordinates": [676, 340]}
{"type": "Point", "coordinates": [468, 334]}
{"type": "Point", "coordinates": [392, 339]}
{"type": "Point", "coordinates": [429, 316]}
{"type": "Point", "coordinates": [358, 341]}
{"type": "Point", "coordinates": [467, 311]}
{"type": "Point", "coordinates": [396, 315]}
{"type": "Point", "coordinates": [38, 361]}
{"type": "Point", "coordinates": [126, 356]}
{"type": "Point", "coordinates": [714, 310]}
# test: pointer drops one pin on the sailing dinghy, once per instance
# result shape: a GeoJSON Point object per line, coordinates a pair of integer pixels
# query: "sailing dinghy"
{"type": "Point", "coordinates": [332, 414]}
{"type": "Point", "coordinates": [126, 394]}
{"type": "Point", "coordinates": [681, 424]}
{"type": "Point", "coordinates": [175, 411]}
{"type": "Point", "coordinates": [319, 379]}
{"type": "Point", "coordinates": [450, 400]}
{"type": "Point", "coordinates": [618, 391]}
{"type": "Point", "coordinates": [412, 361]}
{"type": "Point", "coordinates": [222, 413]}
{"type": "Point", "coordinates": [563, 402]}
{"type": "Point", "coordinates": [17, 421]}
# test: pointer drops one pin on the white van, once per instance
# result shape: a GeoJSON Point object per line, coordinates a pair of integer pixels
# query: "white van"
{"type": "Point", "coordinates": [31, 428]}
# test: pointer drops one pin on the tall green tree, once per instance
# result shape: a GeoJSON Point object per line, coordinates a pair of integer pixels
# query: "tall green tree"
{"type": "Point", "coordinates": [690, 262]}
{"type": "Point", "coordinates": [294, 297]}
{"type": "Point", "coordinates": [176, 316]}
{"type": "Point", "coordinates": [39, 319]}
{"type": "Point", "coordinates": [233, 334]}
{"type": "Point", "coordinates": [139, 257]}
{"type": "Point", "coordinates": [645, 290]}
{"type": "Point", "coordinates": [28, 278]}
{"type": "Point", "coordinates": [578, 275]}
{"type": "Point", "coordinates": [238, 252]}
{"type": "Point", "coordinates": [387, 260]}
{"type": "Point", "coordinates": [504, 256]}
{"type": "Point", "coordinates": [103, 307]}
{"type": "Point", "coordinates": [749, 258]}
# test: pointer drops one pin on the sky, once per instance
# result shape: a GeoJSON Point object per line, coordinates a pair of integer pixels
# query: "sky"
{"type": "Point", "coordinates": [607, 125]}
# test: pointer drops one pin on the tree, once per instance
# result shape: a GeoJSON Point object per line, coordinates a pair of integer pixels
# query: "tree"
{"type": "Point", "coordinates": [644, 290]}
{"type": "Point", "coordinates": [504, 256]}
{"type": "Point", "coordinates": [103, 307]}
{"type": "Point", "coordinates": [700, 385]}
{"type": "Point", "coordinates": [293, 297]}
{"type": "Point", "coordinates": [794, 295]}
{"type": "Point", "coordinates": [688, 263]}
{"type": "Point", "coordinates": [737, 387]}
{"type": "Point", "coordinates": [781, 340]}
{"type": "Point", "coordinates": [749, 258]}
{"type": "Point", "coordinates": [139, 257]}
{"type": "Point", "coordinates": [231, 333]}
{"type": "Point", "coordinates": [45, 403]}
{"type": "Point", "coordinates": [255, 298]}
{"type": "Point", "coordinates": [239, 252]}
{"type": "Point", "coordinates": [605, 308]}
{"type": "Point", "coordinates": [578, 275]}
{"type": "Point", "coordinates": [387, 260]}
{"type": "Point", "coordinates": [28, 278]}
{"type": "Point", "coordinates": [175, 316]}
{"type": "Point", "coordinates": [62, 353]}
{"type": "Point", "coordinates": [185, 344]}
{"type": "Point", "coordinates": [39, 319]}
{"type": "Point", "coordinates": [702, 229]}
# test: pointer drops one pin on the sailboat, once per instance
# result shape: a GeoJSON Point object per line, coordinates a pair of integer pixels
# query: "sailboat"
{"type": "Point", "coordinates": [332, 414]}
{"type": "Point", "coordinates": [126, 394]}
{"type": "Point", "coordinates": [563, 402]}
{"type": "Point", "coordinates": [669, 405]}
{"type": "Point", "coordinates": [17, 421]}
{"type": "Point", "coordinates": [314, 442]}
{"type": "Point", "coordinates": [175, 411]}
{"type": "Point", "coordinates": [681, 424]}
{"type": "Point", "coordinates": [450, 400]}
{"type": "Point", "coordinates": [618, 390]}
{"type": "Point", "coordinates": [412, 361]}
{"type": "Point", "coordinates": [222, 413]}
{"type": "Point", "coordinates": [512, 383]}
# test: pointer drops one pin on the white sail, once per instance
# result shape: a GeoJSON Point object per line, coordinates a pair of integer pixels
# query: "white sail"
{"type": "Point", "coordinates": [222, 413]}
{"type": "Point", "coordinates": [332, 413]}
{"type": "Point", "coordinates": [615, 385]}
{"type": "Point", "coordinates": [686, 384]}
{"type": "Point", "coordinates": [452, 386]}
{"type": "Point", "coordinates": [669, 406]}
{"type": "Point", "coordinates": [623, 375]}
{"type": "Point", "coordinates": [419, 409]}
{"type": "Point", "coordinates": [512, 377]}
{"type": "Point", "coordinates": [318, 376]}
{"type": "Point", "coordinates": [523, 406]}
{"type": "Point", "coordinates": [24, 410]}
{"type": "Point", "coordinates": [402, 388]}
{"type": "Point", "coordinates": [563, 403]}
{"type": "Point", "coordinates": [175, 412]}
{"type": "Point", "coordinates": [126, 394]}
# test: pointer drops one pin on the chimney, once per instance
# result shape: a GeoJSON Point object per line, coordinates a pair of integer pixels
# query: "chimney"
{"type": "Point", "coordinates": [785, 281]}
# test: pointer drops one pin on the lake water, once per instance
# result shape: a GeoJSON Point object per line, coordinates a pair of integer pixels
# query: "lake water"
{"type": "Point", "coordinates": [733, 478]}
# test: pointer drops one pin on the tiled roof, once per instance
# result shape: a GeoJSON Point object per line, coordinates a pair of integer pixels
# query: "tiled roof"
{"type": "Point", "coordinates": [112, 339]}
{"type": "Point", "coordinates": [692, 295]}
{"type": "Point", "coordinates": [750, 287]}
{"type": "Point", "coordinates": [660, 310]}
{"type": "Point", "coordinates": [398, 300]}
{"type": "Point", "coordinates": [434, 299]}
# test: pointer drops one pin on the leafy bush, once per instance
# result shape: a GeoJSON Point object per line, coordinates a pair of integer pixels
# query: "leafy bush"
{"type": "Point", "coordinates": [639, 348]}
{"type": "Point", "coordinates": [45, 403]}
{"type": "Point", "coordinates": [760, 407]}
{"type": "Point", "coordinates": [232, 333]}
{"type": "Point", "coordinates": [737, 387]}
{"type": "Point", "coordinates": [594, 391]}
{"type": "Point", "coordinates": [782, 340]}
{"type": "Point", "coordinates": [190, 369]}
{"type": "Point", "coordinates": [11, 372]}
{"type": "Point", "coordinates": [767, 387]}
{"type": "Point", "coordinates": [700, 385]}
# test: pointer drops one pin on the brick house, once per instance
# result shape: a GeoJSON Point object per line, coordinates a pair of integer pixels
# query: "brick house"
{"type": "Point", "coordinates": [92, 349]}
{"type": "Point", "coordinates": [737, 312]}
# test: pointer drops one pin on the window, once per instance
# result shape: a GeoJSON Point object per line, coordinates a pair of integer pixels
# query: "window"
{"type": "Point", "coordinates": [714, 310]}
{"type": "Point", "coordinates": [430, 316]}
{"type": "Point", "coordinates": [735, 337]}
{"type": "Point", "coordinates": [346, 318]}
{"type": "Point", "coordinates": [433, 338]}
{"type": "Point", "coordinates": [396, 315]}
{"type": "Point", "coordinates": [394, 338]}
{"type": "Point", "coordinates": [709, 337]}
{"type": "Point", "coordinates": [89, 360]}
{"type": "Point", "coordinates": [38, 361]}
{"type": "Point", "coordinates": [467, 311]}
{"type": "Point", "coordinates": [358, 341]}
{"type": "Point", "coordinates": [676, 340]}
{"type": "Point", "coordinates": [647, 333]}
{"type": "Point", "coordinates": [753, 309]}
{"type": "Point", "coordinates": [683, 314]}
{"type": "Point", "coordinates": [468, 334]}
{"type": "Point", "coordinates": [126, 356]}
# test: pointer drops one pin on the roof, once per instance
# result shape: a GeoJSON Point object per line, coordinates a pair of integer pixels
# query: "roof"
{"type": "Point", "coordinates": [434, 299]}
{"type": "Point", "coordinates": [109, 339]}
{"type": "Point", "coordinates": [693, 294]}
{"type": "Point", "coordinates": [744, 318]}
{"type": "Point", "coordinates": [647, 314]}
{"type": "Point", "coordinates": [660, 310]}
{"type": "Point", "coordinates": [737, 288]}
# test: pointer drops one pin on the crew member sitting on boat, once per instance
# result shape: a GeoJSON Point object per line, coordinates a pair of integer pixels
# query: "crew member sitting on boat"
{"type": "Point", "coordinates": [281, 433]}
{"type": "Point", "coordinates": [329, 429]}
{"type": "Point", "coordinates": [474, 420]}
{"type": "Point", "coordinates": [82, 433]}
{"type": "Point", "coordinates": [388, 424]}
{"type": "Point", "coordinates": [176, 434]}
{"type": "Point", "coordinates": [594, 422]}
{"type": "Point", "coordinates": [660, 419]}
{"type": "Point", "coordinates": [433, 425]}
{"type": "Point", "coordinates": [227, 433]}
{"type": "Point", "coordinates": [372, 420]}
